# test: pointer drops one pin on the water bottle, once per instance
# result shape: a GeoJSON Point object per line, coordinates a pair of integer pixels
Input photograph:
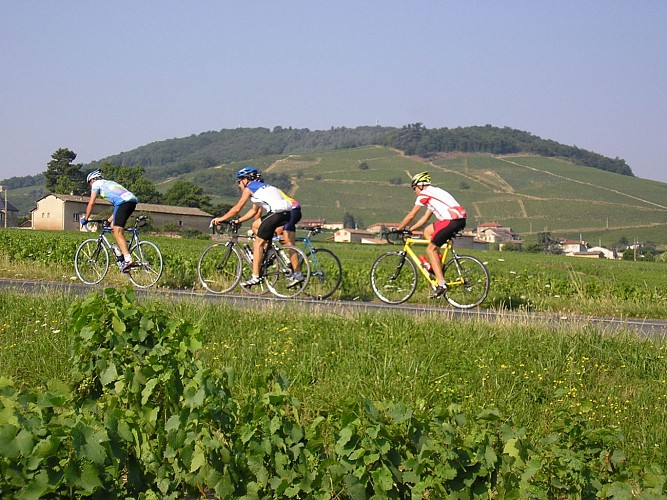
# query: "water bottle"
{"type": "Point", "coordinates": [426, 264]}
{"type": "Point", "coordinates": [117, 252]}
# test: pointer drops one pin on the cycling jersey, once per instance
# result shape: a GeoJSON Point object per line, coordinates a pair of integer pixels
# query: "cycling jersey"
{"type": "Point", "coordinates": [441, 203]}
{"type": "Point", "coordinates": [112, 191]}
{"type": "Point", "coordinates": [269, 198]}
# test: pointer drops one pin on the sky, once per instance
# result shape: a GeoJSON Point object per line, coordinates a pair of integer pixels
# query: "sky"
{"type": "Point", "coordinates": [101, 78]}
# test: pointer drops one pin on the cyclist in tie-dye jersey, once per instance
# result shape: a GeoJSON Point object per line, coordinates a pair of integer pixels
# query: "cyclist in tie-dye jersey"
{"type": "Point", "coordinates": [124, 203]}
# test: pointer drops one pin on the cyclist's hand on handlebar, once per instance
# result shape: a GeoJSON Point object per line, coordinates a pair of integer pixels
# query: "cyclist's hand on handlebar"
{"type": "Point", "coordinates": [83, 221]}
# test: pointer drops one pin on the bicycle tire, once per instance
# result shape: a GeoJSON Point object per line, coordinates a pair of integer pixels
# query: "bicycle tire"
{"type": "Point", "coordinates": [91, 261]}
{"type": "Point", "coordinates": [326, 274]}
{"type": "Point", "coordinates": [393, 277]}
{"type": "Point", "coordinates": [475, 277]}
{"type": "Point", "coordinates": [279, 272]}
{"type": "Point", "coordinates": [147, 267]}
{"type": "Point", "coordinates": [219, 267]}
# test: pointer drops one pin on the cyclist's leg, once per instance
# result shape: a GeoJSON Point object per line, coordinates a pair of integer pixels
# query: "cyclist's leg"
{"type": "Point", "coordinates": [289, 235]}
{"type": "Point", "coordinates": [264, 234]}
{"type": "Point", "coordinates": [121, 213]}
{"type": "Point", "coordinates": [440, 232]}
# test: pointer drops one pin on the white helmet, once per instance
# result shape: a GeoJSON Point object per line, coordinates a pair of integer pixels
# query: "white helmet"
{"type": "Point", "coordinates": [95, 174]}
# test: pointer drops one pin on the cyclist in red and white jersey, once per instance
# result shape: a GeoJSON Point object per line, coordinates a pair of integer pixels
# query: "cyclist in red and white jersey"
{"type": "Point", "coordinates": [451, 219]}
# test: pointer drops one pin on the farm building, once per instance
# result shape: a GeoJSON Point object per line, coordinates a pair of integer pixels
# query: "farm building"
{"type": "Point", "coordinates": [59, 212]}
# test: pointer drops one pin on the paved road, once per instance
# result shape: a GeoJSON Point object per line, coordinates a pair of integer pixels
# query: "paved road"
{"type": "Point", "coordinates": [643, 327]}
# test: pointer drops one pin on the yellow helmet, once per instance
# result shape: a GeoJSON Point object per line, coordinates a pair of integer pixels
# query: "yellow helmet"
{"type": "Point", "coordinates": [421, 178]}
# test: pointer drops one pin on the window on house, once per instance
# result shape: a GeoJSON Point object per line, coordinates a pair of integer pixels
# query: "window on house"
{"type": "Point", "coordinates": [180, 223]}
{"type": "Point", "coordinates": [76, 217]}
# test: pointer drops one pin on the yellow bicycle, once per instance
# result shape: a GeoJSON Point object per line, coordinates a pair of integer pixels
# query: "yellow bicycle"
{"type": "Point", "coordinates": [394, 275]}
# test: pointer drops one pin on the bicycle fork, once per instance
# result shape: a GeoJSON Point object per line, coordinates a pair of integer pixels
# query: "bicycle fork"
{"type": "Point", "coordinates": [401, 263]}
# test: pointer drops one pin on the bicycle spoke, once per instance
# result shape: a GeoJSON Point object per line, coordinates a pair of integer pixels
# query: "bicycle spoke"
{"type": "Point", "coordinates": [326, 274]}
{"type": "Point", "coordinates": [279, 275]}
{"type": "Point", "coordinates": [467, 282]}
{"type": "Point", "coordinates": [219, 267]}
{"type": "Point", "coordinates": [91, 262]}
{"type": "Point", "coordinates": [393, 278]}
{"type": "Point", "coordinates": [147, 267]}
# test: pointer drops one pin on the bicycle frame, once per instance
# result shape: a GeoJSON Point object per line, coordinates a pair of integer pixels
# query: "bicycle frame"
{"type": "Point", "coordinates": [446, 250]}
{"type": "Point", "coordinates": [134, 239]}
{"type": "Point", "coordinates": [146, 256]}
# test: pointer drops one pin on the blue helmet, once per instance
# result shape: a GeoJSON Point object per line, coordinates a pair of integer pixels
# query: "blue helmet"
{"type": "Point", "coordinates": [248, 173]}
{"type": "Point", "coordinates": [95, 174]}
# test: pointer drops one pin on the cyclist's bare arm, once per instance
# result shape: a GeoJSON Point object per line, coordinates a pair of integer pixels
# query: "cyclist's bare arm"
{"type": "Point", "coordinates": [408, 218]}
{"type": "Point", "coordinates": [423, 220]}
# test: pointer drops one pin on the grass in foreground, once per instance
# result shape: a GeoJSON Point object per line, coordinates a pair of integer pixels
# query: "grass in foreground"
{"type": "Point", "coordinates": [527, 371]}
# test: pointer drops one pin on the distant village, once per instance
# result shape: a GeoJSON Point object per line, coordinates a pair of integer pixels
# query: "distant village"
{"type": "Point", "coordinates": [62, 212]}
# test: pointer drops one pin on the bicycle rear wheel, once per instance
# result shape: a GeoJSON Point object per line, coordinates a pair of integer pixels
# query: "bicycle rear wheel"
{"type": "Point", "coordinates": [147, 267]}
{"type": "Point", "coordinates": [219, 267]}
{"type": "Point", "coordinates": [279, 275]}
{"type": "Point", "coordinates": [393, 277]}
{"type": "Point", "coordinates": [326, 274]}
{"type": "Point", "coordinates": [467, 281]}
{"type": "Point", "coordinates": [91, 261]}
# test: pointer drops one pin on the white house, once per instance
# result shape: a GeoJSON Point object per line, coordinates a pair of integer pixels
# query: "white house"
{"type": "Point", "coordinates": [354, 236]}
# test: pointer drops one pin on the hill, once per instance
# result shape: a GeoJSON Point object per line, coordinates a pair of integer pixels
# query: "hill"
{"type": "Point", "coordinates": [178, 156]}
{"type": "Point", "coordinates": [528, 193]}
{"type": "Point", "coordinates": [500, 175]}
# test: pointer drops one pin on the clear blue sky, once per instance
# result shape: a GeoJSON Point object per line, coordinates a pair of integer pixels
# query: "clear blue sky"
{"type": "Point", "coordinates": [100, 78]}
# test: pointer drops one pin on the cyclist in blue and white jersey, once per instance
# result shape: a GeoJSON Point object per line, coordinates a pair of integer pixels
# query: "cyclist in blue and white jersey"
{"type": "Point", "coordinates": [275, 208]}
{"type": "Point", "coordinates": [124, 203]}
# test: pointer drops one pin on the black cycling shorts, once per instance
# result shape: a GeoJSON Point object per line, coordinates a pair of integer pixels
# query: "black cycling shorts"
{"type": "Point", "coordinates": [295, 217]}
{"type": "Point", "coordinates": [122, 212]}
{"type": "Point", "coordinates": [270, 223]}
{"type": "Point", "coordinates": [445, 230]}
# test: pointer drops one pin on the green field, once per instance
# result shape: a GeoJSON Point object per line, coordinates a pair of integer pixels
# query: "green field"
{"type": "Point", "coordinates": [529, 194]}
{"type": "Point", "coordinates": [587, 407]}
{"type": "Point", "coordinates": [519, 280]}
{"type": "Point", "coordinates": [556, 395]}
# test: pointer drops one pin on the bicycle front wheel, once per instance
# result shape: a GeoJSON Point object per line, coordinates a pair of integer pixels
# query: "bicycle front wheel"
{"type": "Point", "coordinates": [279, 275]}
{"type": "Point", "coordinates": [219, 267]}
{"type": "Point", "coordinates": [467, 282]}
{"type": "Point", "coordinates": [91, 261]}
{"type": "Point", "coordinates": [393, 277]}
{"type": "Point", "coordinates": [326, 274]}
{"type": "Point", "coordinates": [147, 264]}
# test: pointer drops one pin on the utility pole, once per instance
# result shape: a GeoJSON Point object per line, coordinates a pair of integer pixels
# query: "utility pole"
{"type": "Point", "coordinates": [4, 192]}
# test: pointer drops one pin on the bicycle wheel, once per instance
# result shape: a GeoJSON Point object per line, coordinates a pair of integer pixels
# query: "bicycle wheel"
{"type": "Point", "coordinates": [147, 264]}
{"type": "Point", "coordinates": [279, 276]}
{"type": "Point", "coordinates": [467, 281]}
{"type": "Point", "coordinates": [393, 277]}
{"type": "Point", "coordinates": [326, 274]}
{"type": "Point", "coordinates": [91, 261]}
{"type": "Point", "coordinates": [219, 267]}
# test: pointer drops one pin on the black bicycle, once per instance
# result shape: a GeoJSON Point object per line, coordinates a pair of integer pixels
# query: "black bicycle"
{"type": "Point", "coordinates": [91, 261]}
{"type": "Point", "coordinates": [224, 264]}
